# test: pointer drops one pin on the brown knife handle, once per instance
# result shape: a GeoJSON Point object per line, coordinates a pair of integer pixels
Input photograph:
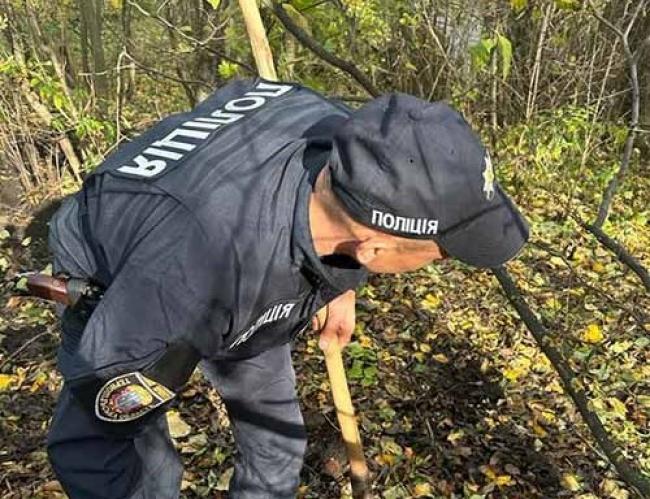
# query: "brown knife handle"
{"type": "Point", "coordinates": [48, 287]}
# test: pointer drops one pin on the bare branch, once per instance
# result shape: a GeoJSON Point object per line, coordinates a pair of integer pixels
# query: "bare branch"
{"type": "Point", "coordinates": [204, 44]}
{"type": "Point", "coordinates": [600, 17]}
{"type": "Point", "coordinates": [317, 49]}
{"type": "Point", "coordinates": [621, 253]}
{"type": "Point", "coordinates": [572, 385]}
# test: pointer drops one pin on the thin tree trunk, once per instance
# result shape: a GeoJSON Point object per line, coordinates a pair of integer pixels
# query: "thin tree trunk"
{"type": "Point", "coordinates": [83, 37]}
{"type": "Point", "coordinates": [630, 57]}
{"type": "Point", "coordinates": [534, 76]}
{"type": "Point", "coordinates": [48, 49]}
{"type": "Point", "coordinates": [572, 386]}
{"type": "Point", "coordinates": [91, 12]}
{"type": "Point", "coordinates": [127, 44]}
{"type": "Point", "coordinates": [44, 114]}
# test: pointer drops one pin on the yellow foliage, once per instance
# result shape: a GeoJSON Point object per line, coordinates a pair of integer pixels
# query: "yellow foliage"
{"type": "Point", "coordinates": [365, 341]}
{"type": "Point", "coordinates": [570, 482]}
{"type": "Point", "coordinates": [455, 435]}
{"type": "Point", "coordinates": [177, 427]}
{"type": "Point", "coordinates": [39, 381]}
{"type": "Point", "coordinates": [440, 357]}
{"type": "Point", "coordinates": [489, 472]}
{"type": "Point", "coordinates": [553, 303]}
{"type": "Point", "coordinates": [518, 368]}
{"type": "Point", "coordinates": [386, 459]}
{"type": "Point", "coordinates": [430, 302]}
{"type": "Point", "coordinates": [618, 407]}
{"type": "Point", "coordinates": [6, 380]}
{"type": "Point", "coordinates": [422, 490]}
{"type": "Point", "coordinates": [539, 430]}
{"type": "Point", "coordinates": [598, 267]}
{"type": "Point", "coordinates": [504, 480]}
{"type": "Point", "coordinates": [593, 333]}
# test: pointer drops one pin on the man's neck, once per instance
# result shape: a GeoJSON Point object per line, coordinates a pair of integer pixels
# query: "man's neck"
{"type": "Point", "coordinates": [325, 233]}
{"type": "Point", "coordinates": [329, 235]}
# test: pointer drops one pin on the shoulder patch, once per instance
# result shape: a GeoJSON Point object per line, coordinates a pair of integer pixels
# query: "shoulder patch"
{"type": "Point", "coordinates": [128, 397]}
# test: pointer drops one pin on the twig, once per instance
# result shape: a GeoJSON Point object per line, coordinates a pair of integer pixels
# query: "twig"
{"type": "Point", "coordinates": [622, 35]}
{"type": "Point", "coordinates": [195, 41]}
{"type": "Point", "coordinates": [24, 346]}
{"type": "Point", "coordinates": [641, 319]}
{"type": "Point", "coordinates": [118, 95]}
{"type": "Point", "coordinates": [319, 51]}
{"type": "Point", "coordinates": [148, 69]}
{"type": "Point", "coordinates": [571, 385]}
{"type": "Point", "coordinates": [621, 253]}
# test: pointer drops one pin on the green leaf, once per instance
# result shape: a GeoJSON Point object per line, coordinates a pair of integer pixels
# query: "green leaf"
{"type": "Point", "coordinates": [21, 285]}
{"type": "Point", "coordinates": [227, 69]}
{"type": "Point", "coordinates": [567, 4]}
{"type": "Point", "coordinates": [518, 5]}
{"type": "Point", "coordinates": [481, 52]}
{"type": "Point", "coordinates": [642, 342]}
{"type": "Point", "coordinates": [214, 3]}
{"type": "Point", "coordinates": [505, 50]}
{"type": "Point", "coordinates": [58, 101]}
{"type": "Point", "coordinates": [356, 371]}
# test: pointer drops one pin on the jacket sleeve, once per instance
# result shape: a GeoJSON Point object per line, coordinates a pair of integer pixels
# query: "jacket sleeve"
{"type": "Point", "coordinates": [157, 319]}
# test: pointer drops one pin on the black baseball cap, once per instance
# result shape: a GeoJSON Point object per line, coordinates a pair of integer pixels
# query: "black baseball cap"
{"type": "Point", "coordinates": [416, 169]}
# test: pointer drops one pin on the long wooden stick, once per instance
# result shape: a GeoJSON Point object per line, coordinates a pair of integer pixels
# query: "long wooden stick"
{"type": "Point", "coordinates": [359, 476]}
{"type": "Point", "coordinates": [333, 358]}
{"type": "Point", "coordinates": [259, 42]}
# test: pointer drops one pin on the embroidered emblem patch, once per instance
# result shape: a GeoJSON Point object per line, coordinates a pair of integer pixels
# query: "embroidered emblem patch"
{"type": "Point", "coordinates": [488, 178]}
{"type": "Point", "coordinates": [128, 397]}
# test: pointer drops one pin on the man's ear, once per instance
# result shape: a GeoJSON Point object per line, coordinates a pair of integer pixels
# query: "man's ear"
{"type": "Point", "coordinates": [366, 251]}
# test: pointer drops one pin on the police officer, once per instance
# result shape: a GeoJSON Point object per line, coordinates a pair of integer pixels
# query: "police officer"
{"type": "Point", "coordinates": [216, 236]}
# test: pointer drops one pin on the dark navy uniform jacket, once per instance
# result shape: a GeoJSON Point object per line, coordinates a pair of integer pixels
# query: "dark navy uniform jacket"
{"type": "Point", "coordinates": [199, 231]}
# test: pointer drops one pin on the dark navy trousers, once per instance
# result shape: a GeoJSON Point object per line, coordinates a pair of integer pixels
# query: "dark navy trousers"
{"type": "Point", "coordinates": [259, 394]}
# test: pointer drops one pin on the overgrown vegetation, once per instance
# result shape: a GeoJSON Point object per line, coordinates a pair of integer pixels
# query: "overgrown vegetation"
{"type": "Point", "coordinates": [454, 395]}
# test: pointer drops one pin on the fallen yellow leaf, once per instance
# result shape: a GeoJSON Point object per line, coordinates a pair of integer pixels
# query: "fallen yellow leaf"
{"type": "Point", "coordinates": [539, 430]}
{"type": "Point", "coordinates": [365, 341]}
{"type": "Point", "coordinates": [430, 302]}
{"type": "Point", "coordinates": [618, 407]}
{"type": "Point", "coordinates": [592, 334]}
{"type": "Point", "coordinates": [177, 427]}
{"type": "Point", "coordinates": [39, 381]}
{"type": "Point", "coordinates": [519, 367]}
{"type": "Point", "coordinates": [489, 472]}
{"type": "Point", "coordinates": [386, 459]}
{"type": "Point", "coordinates": [440, 357]}
{"type": "Point", "coordinates": [503, 480]}
{"type": "Point", "coordinates": [6, 380]}
{"type": "Point", "coordinates": [570, 482]}
{"type": "Point", "coordinates": [455, 435]}
{"type": "Point", "coordinates": [598, 267]}
{"type": "Point", "coordinates": [422, 490]}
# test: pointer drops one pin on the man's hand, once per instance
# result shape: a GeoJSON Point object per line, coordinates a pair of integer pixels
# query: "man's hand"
{"type": "Point", "coordinates": [339, 323]}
